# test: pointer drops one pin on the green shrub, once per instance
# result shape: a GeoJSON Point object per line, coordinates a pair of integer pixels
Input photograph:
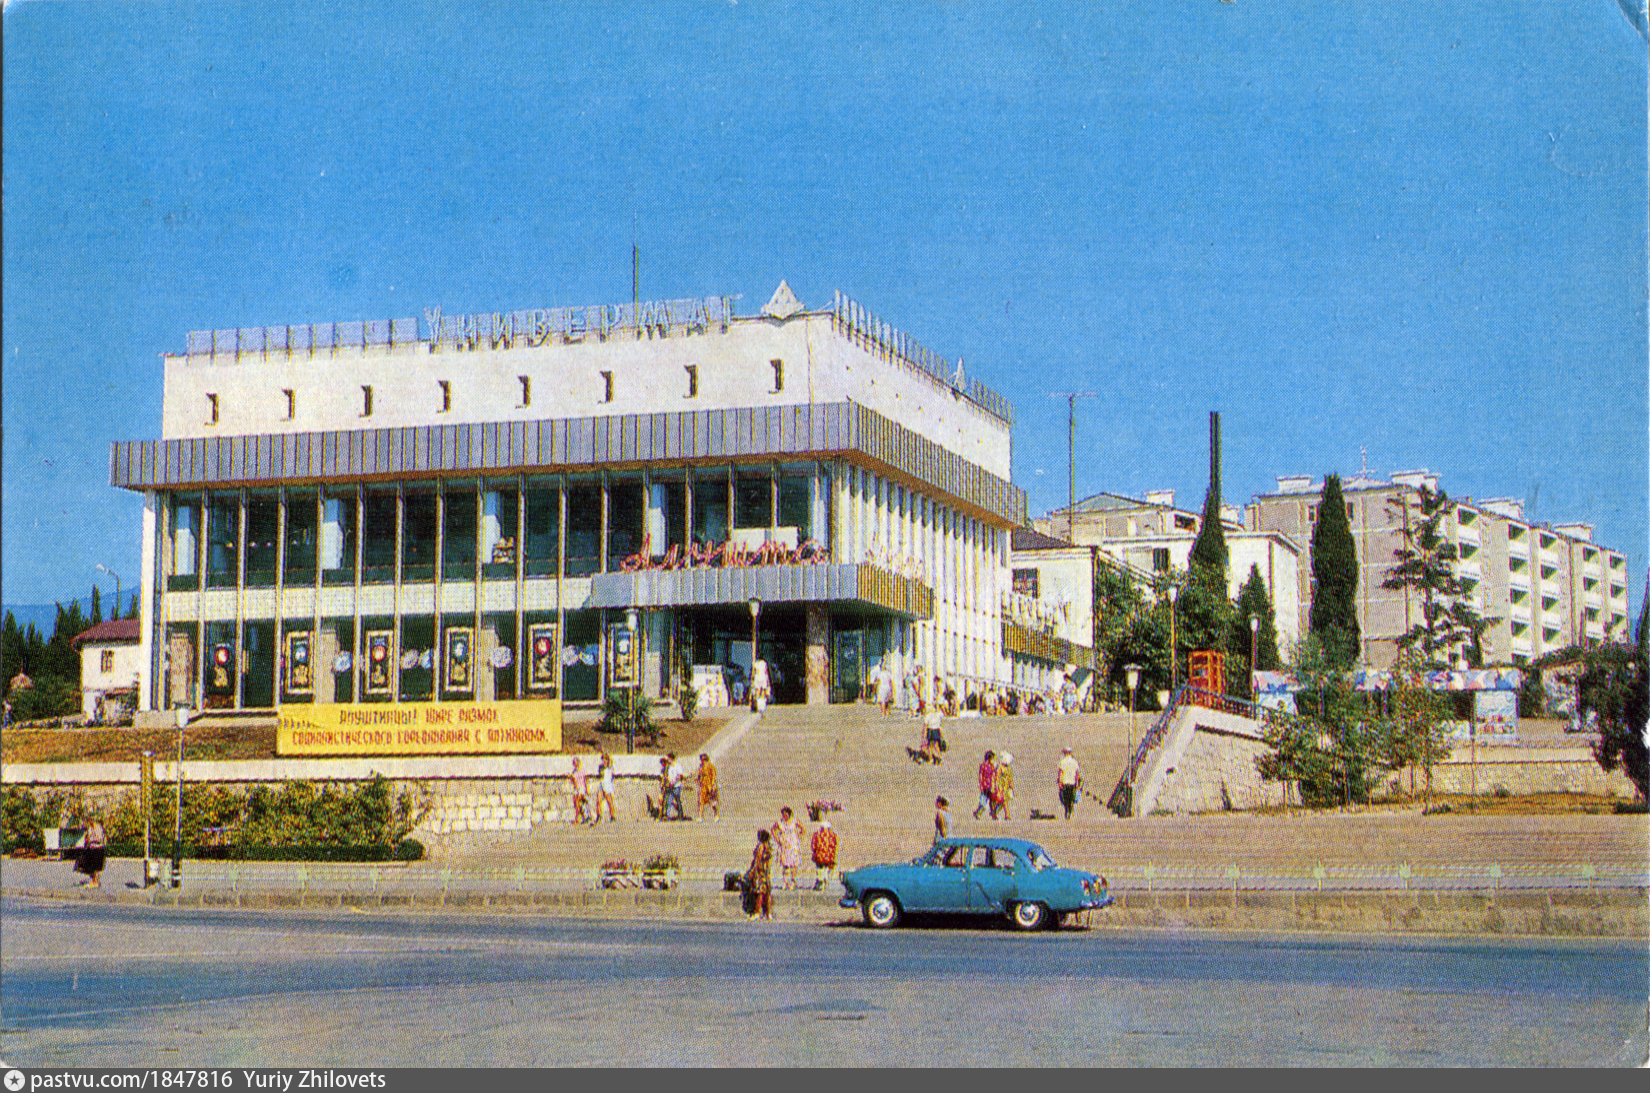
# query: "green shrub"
{"type": "Point", "coordinates": [409, 850]}
{"type": "Point", "coordinates": [20, 821]}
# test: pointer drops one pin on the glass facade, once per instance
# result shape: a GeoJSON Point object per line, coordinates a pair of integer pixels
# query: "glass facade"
{"type": "Point", "coordinates": [526, 549]}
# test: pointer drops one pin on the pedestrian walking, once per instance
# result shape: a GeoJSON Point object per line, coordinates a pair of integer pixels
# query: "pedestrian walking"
{"type": "Point", "coordinates": [759, 877]}
{"type": "Point", "coordinates": [761, 689]}
{"type": "Point", "coordinates": [988, 784]}
{"type": "Point", "coordinates": [675, 776]}
{"type": "Point", "coordinates": [885, 690]}
{"type": "Point", "coordinates": [604, 790]}
{"type": "Point", "coordinates": [933, 735]}
{"type": "Point", "coordinates": [93, 851]}
{"type": "Point", "coordinates": [824, 847]}
{"type": "Point", "coordinates": [1002, 795]}
{"type": "Point", "coordinates": [942, 818]}
{"type": "Point", "coordinates": [581, 793]}
{"type": "Point", "coordinates": [710, 791]}
{"type": "Point", "coordinates": [787, 837]}
{"type": "Point", "coordinates": [1068, 779]}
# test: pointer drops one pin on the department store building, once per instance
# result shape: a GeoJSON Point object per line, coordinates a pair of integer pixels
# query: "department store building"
{"type": "Point", "coordinates": [476, 508]}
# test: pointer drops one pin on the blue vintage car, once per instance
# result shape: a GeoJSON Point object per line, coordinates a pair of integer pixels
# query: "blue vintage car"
{"type": "Point", "coordinates": [984, 876]}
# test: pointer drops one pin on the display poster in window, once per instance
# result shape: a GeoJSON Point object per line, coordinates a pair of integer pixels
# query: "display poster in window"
{"type": "Point", "coordinates": [621, 661]}
{"type": "Point", "coordinates": [222, 671]}
{"type": "Point", "coordinates": [460, 643]}
{"type": "Point", "coordinates": [380, 662]}
{"type": "Point", "coordinates": [542, 643]}
{"type": "Point", "coordinates": [300, 665]}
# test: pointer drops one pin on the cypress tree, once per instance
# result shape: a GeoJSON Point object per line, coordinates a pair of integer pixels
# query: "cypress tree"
{"type": "Point", "coordinates": [1209, 550]}
{"type": "Point", "coordinates": [1253, 600]}
{"type": "Point", "coordinates": [1334, 616]}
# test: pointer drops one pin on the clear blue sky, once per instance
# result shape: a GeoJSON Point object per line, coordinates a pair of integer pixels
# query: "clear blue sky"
{"type": "Point", "coordinates": [1417, 229]}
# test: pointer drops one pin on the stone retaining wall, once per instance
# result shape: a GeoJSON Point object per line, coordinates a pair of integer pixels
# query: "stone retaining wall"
{"type": "Point", "coordinates": [449, 806]}
{"type": "Point", "coordinates": [1521, 771]}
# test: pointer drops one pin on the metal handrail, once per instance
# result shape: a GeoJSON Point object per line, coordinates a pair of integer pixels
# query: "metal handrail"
{"type": "Point", "coordinates": [375, 880]}
{"type": "Point", "coordinates": [1122, 798]}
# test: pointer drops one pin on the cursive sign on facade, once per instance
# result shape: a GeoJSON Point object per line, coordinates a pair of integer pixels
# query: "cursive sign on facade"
{"type": "Point", "coordinates": [729, 555]}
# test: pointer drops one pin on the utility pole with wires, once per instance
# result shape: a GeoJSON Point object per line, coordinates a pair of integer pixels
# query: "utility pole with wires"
{"type": "Point", "coordinates": [1071, 398]}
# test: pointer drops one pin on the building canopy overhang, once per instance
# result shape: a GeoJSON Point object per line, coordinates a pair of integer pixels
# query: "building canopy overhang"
{"type": "Point", "coordinates": [864, 585]}
{"type": "Point", "coordinates": [822, 430]}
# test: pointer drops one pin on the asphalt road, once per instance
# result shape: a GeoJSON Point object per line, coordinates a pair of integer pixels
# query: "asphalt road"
{"type": "Point", "coordinates": [87, 985]}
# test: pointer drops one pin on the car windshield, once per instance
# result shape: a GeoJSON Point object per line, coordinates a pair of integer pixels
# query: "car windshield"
{"type": "Point", "coordinates": [1039, 859]}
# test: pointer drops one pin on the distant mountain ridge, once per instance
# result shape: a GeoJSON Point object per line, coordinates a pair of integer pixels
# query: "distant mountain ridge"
{"type": "Point", "coordinates": [44, 615]}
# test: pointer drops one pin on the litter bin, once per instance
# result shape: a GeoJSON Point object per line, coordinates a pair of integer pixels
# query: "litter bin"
{"type": "Point", "coordinates": [151, 872]}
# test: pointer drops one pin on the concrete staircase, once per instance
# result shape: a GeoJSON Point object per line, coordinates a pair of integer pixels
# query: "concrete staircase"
{"type": "Point", "coordinates": [855, 756]}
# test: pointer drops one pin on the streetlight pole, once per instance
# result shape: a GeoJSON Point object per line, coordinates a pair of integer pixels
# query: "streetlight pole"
{"type": "Point", "coordinates": [1174, 650]}
{"type": "Point", "coordinates": [1132, 673]}
{"type": "Point", "coordinates": [177, 813]}
{"type": "Point", "coordinates": [756, 612]}
{"type": "Point", "coordinates": [115, 614]}
{"type": "Point", "coordinates": [630, 693]}
{"type": "Point", "coordinates": [1254, 641]}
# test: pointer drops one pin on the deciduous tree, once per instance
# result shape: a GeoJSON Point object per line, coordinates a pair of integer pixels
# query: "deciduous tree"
{"type": "Point", "coordinates": [1425, 567]}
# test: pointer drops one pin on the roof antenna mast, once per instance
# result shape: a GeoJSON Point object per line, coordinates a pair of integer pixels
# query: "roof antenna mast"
{"type": "Point", "coordinates": [1071, 398]}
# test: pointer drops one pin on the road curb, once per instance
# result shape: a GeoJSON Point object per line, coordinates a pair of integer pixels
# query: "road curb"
{"type": "Point", "coordinates": [1620, 913]}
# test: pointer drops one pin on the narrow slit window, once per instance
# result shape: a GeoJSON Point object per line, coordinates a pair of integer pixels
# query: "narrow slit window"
{"type": "Point", "coordinates": [291, 402]}
{"type": "Point", "coordinates": [693, 380]}
{"type": "Point", "coordinates": [446, 395]}
{"type": "Point", "coordinates": [607, 387]}
{"type": "Point", "coordinates": [211, 409]}
{"type": "Point", "coordinates": [366, 400]}
{"type": "Point", "coordinates": [778, 376]}
{"type": "Point", "coordinates": [526, 392]}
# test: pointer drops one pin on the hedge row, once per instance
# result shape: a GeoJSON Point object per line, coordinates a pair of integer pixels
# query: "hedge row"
{"type": "Point", "coordinates": [405, 850]}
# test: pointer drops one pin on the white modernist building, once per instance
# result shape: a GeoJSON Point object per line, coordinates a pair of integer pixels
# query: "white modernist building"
{"type": "Point", "coordinates": [1150, 535]}
{"type": "Point", "coordinates": [468, 508]}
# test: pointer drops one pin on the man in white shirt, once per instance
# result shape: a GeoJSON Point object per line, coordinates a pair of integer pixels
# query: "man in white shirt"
{"type": "Point", "coordinates": [674, 777]}
{"type": "Point", "coordinates": [1069, 778]}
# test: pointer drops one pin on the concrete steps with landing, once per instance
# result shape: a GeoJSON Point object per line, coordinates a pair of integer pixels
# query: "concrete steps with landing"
{"type": "Point", "coordinates": [855, 756]}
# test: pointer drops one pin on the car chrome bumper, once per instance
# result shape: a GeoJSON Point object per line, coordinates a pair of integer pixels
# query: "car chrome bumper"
{"type": "Point", "coordinates": [848, 901]}
{"type": "Point", "coordinates": [1095, 904]}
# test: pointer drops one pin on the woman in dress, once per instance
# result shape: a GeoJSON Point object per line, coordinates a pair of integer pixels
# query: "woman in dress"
{"type": "Point", "coordinates": [93, 849]}
{"type": "Point", "coordinates": [759, 877]}
{"type": "Point", "coordinates": [604, 790]}
{"type": "Point", "coordinates": [787, 836]}
{"type": "Point", "coordinates": [581, 793]}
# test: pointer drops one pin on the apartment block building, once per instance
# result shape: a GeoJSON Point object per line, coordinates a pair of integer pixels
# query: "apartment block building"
{"type": "Point", "coordinates": [1545, 586]}
{"type": "Point", "coordinates": [1150, 535]}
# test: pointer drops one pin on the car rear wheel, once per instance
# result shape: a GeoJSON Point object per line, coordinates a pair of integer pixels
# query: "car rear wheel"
{"type": "Point", "coordinates": [880, 910]}
{"type": "Point", "coordinates": [1030, 916]}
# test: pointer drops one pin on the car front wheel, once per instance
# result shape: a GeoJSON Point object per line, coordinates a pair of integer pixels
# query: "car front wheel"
{"type": "Point", "coordinates": [1030, 916]}
{"type": "Point", "coordinates": [880, 910]}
